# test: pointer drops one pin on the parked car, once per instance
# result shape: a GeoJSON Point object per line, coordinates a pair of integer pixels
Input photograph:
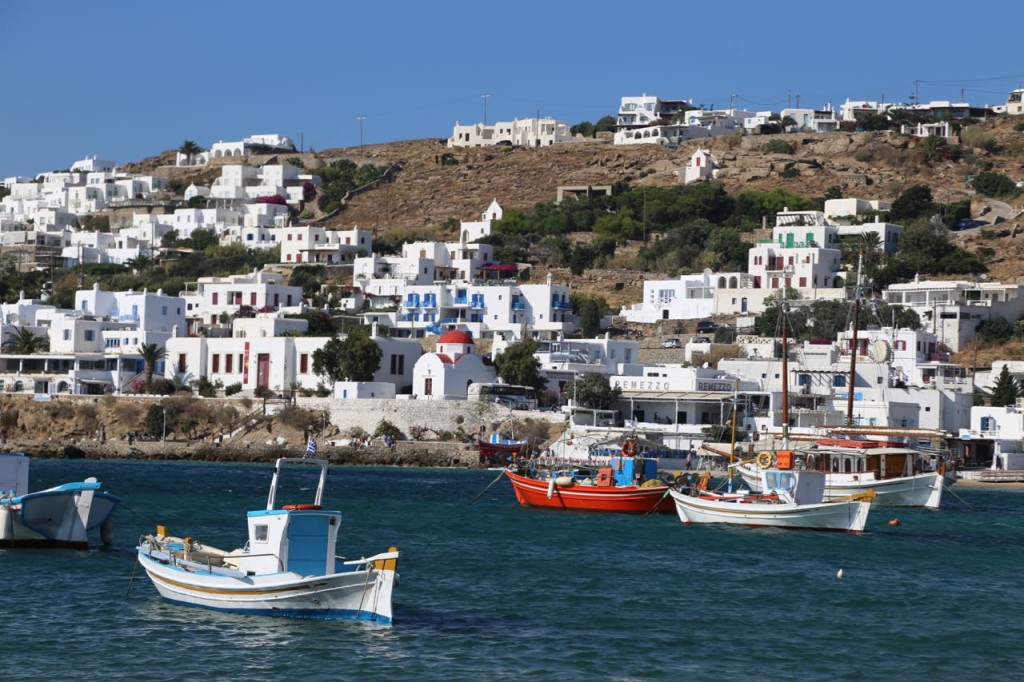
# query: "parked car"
{"type": "Point", "coordinates": [967, 223]}
{"type": "Point", "coordinates": [670, 343]}
{"type": "Point", "coordinates": [701, 339]}
{"type": "Point", "coordinates": [706, 327]}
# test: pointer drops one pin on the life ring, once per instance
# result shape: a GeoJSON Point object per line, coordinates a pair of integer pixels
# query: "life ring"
{"type": "Point", "coordinates": [300, 507]}
{"type": "Point", "coordinates": [629, 448]}
{"type": "Point", "coordinates": [764, 460]}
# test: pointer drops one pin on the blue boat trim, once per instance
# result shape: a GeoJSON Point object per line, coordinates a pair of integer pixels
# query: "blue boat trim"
{"type": "Point", "coordinates": [326, 614]}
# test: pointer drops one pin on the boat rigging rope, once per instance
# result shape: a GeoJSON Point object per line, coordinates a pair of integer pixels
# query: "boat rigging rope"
{"type": "Point", "coordinates": [962, 500]}
{"type": "Point", "coordinates": [480, 494]}
{"type": "Point", "coordinates": [131, 578]}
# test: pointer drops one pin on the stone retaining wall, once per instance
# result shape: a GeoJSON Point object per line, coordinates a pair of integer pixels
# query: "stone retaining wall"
{"type": "Point", "coordinates": [406, 453]}
{"type": "Point", "coordinates": [438, 415]}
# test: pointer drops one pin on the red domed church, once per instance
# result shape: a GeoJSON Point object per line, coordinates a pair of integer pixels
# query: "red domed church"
{"type": "Point", "coordinates": [447, 373]}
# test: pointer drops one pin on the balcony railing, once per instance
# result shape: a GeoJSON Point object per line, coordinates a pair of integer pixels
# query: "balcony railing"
{"type": "Point", "coordinates": [561, 305]}
{"type": "Point", "coordinates": [518, 305]}
{"type": "Point", "coordinates": [477, 304]}
{"type": "Point", "coordinates": [461, 300]}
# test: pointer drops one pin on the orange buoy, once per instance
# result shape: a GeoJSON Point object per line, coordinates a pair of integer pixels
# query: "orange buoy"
{"type": "Point", "coordinates": [894, 522]}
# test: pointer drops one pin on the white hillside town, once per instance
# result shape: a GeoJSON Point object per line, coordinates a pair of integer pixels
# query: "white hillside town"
{"type": "Point", "coordinates": [441, 314]}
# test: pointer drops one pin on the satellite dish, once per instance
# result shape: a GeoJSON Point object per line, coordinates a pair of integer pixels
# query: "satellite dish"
{"type": "Point", "coordinates": [881, 351]}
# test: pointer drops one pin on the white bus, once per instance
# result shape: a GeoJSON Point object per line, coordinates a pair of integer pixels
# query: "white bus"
{"type": "Point", "coordinates": [516, 397]}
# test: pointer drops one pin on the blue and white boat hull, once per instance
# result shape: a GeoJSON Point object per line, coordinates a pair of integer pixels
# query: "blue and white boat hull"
{"type": "Point", "coordinates": [57, 517]}
{"type": "Point", "coordinates": [362, 591]}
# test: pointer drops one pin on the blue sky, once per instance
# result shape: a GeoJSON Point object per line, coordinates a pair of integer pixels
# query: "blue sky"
{"type": "Point", "coordinates": [125, 80]}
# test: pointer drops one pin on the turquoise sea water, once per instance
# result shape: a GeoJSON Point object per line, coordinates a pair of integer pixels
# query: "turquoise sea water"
{"type": "Point", "coordinates": [496, 591]}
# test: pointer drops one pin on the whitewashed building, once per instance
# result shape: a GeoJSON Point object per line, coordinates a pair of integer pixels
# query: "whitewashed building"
{"type": "Point", "coordinates": [690, 297]}
{"type": "Point", "coordinates": [527, 132]}
{"type": "Point", "coordinates": [484, 309]}
{"type": "Point", "coordinates": [213, 297]}
{"type": "Point", "coordinates": [257, 355]}
{"type": "Point", "coordinates": [952, 310]}
{"type": "Point", "coordinates": [315, 244]}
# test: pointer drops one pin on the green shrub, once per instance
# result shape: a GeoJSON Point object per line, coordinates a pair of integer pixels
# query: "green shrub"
{"type": "Point", "coordinates": [979, 139]}
{"type": "Point", "coordinates": [386, 428]}
{"type": "Point", "coordinates": [995, 185]}
{"type": "Point", "coordinates": [777, 147]}
{"type": "Point", "coordinates": [790, 172]}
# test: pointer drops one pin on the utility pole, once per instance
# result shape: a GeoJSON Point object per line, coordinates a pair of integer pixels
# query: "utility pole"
{"type": "Point", "coordinates": [798, 101]}
{"type": "Point", "coordinates": [787, 99]}
{"type": "Point", "coordinates": [360, 119]}
{"type": "Point", "coordinates": [484, 98]}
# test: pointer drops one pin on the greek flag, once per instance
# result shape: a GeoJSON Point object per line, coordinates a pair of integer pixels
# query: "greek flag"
{"type": "Point", "coordinates": [311, 446]}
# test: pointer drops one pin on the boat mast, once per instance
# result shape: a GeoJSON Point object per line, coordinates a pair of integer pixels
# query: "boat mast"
{"type": "Point", "coordinates": [785, 372]}
{"type": "Point", "coordinates": [853, 344]}
{"type": "Point", "coordinates": [735, 410]}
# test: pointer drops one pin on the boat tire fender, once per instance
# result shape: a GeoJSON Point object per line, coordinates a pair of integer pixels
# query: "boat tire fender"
{"type": "Point", "coordinates": [629, 448]}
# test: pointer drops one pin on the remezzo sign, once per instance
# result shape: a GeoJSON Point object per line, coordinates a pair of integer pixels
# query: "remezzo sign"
{"type": "Point", "coordinates": [664, 384]}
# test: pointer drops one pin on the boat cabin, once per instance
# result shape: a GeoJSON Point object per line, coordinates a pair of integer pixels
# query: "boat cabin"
{"type": "Point", "coordinates": [297, 540]}
{"type": "Point", "coordinates": [13, 474]}
{"type": "Point", "coordinates": [633, 470]}
{"type": "Point", "coordinates": [804, 487]}
{"type": "Point", "coordinates": [300, 538]}
{"type": "Point", "coordinates": [885, 462]}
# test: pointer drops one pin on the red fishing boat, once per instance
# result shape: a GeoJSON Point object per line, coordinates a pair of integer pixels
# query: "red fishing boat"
{"type": "Point", "coordinates": [627, 486]}
{"type": "Point", "coordinates": [499, 454]}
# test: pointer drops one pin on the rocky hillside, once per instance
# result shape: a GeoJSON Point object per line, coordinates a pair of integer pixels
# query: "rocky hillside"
{"type": "Point", "coordinates": [437, 186]}
{"type": "Point", "coordinates": [870, 165]}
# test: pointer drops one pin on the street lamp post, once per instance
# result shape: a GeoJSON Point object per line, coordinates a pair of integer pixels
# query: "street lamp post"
{"type": "Point", "coordinates": [164, 438]}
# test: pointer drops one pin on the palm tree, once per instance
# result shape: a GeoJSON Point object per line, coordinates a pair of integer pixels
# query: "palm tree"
{"type": "Point", "coordinates": [190, 148]}
{"type": "Point", "coordinates": [787, 123]}
{"type": "Point", "coordinates": [151, 354]}
{"type": "Point", "coordinates": [24, 342]}
{"type": "Point", "coordinates": [139, 264]}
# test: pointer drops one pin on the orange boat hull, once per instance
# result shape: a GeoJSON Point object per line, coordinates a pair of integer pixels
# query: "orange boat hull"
{"type": "Point", "coordinates": [616, 499]}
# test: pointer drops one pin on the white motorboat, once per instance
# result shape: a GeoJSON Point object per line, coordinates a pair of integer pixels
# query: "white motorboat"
{"type": "Point", "coordinates": [287, 568]}
{"type": "Point", "coordinates": [791, 499]}
{"type": "Point", "coordinates": [61, 516]}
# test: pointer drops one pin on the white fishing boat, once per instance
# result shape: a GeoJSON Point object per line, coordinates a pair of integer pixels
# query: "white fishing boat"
{"type": "Point", "coordinates": [287, 568]}
{"type": "Point", "coordinates": [791, 499]}
{"type": "Point", "coordinates": [62, 516]}
{"type": "Point", "coordinates": [899, 476]}
{"type": "Point", "coordinates": [788, 498]}
{"type": "Point", "coordinates": [894, 473]}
